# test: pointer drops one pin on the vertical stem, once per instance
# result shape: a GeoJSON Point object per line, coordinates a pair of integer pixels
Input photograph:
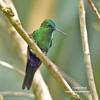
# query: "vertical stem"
{"type": "Point", "coordinates": [86, 52]}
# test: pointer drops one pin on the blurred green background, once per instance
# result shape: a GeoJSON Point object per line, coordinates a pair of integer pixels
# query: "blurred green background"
{"type": "Point", "coordinates": [66, 52]}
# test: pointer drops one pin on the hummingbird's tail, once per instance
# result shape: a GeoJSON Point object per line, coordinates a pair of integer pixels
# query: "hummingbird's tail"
{"type": "Point", "coordinates": [32, 65]}
{"type": "Point", "coordinates": [28, 77]}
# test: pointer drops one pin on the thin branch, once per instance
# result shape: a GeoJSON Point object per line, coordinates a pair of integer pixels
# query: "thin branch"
{"type": "Point", "coordinates": [11, 67]}
{"type": "Point", "coordinates": [9, 93]}
{"type": "Point", "coordinates": [94, 9]}
{"type": "Point", "coordinates": [8, 12]}
{"type": "Point", "coordinates": [86, 52]}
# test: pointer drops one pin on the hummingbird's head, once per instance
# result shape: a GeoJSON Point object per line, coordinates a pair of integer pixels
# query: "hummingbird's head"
{"type": "Point", "coordinates": [48, 24]}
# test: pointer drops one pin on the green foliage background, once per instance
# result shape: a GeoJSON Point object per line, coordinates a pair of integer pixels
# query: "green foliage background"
{"type": "Point", "coordinates": [66, 52]}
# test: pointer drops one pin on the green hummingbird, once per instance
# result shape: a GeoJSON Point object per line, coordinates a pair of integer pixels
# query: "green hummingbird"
{"type": "Point", "coordinates": [43, 38]}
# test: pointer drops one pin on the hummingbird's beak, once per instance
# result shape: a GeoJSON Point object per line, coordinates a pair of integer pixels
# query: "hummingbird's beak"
{"type": "Point", "coordinates": [61, 32]}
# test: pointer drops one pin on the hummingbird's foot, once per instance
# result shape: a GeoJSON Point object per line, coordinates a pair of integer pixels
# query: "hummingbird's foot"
{"type": "Point", "coordinates": [45, 53]}
{"type": "Point", "coordinates": [30, 35]}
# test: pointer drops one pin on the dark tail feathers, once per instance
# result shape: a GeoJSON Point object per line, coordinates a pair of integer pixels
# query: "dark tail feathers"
{"type": "Point", "coordinates": [28, 77]}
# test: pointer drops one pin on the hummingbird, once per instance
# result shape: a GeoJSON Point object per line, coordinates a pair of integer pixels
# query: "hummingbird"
{"type": "Point", "coordinates": [43, 38]}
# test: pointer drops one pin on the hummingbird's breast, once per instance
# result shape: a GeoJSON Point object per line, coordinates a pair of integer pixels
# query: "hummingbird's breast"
{"type": "Point", "coordinates": [43, 40]}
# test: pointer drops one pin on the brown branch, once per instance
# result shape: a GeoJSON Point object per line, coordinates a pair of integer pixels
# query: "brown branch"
{"type": "Point", "coordinates": [8, 12]}
{"type": "Point", "coordinates": [9, 93]}
{"type": "Point", "coordinates": [94, 9]}
{"type": "Point", "coordinates": [11, 67]}
{"type": "Point", "coordinates": [86, 52]}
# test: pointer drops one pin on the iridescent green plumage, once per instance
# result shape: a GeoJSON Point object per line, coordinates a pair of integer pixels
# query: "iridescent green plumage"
{"type": "Point", "coordinates": [43, 37]}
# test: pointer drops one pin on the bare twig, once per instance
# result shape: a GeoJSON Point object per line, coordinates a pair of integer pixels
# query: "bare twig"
{"type": "Point", "coordinates": [11, 67]}
{"type": "Point", "coordinates": [8, 12]}
{"type": "Point", "coordinates": [94, 9]}
{"type": "Point", "coordinates": [9, 93]}
{"type": "Point", "coordinates": [21, 49]}
{"type": "Point", "coordinates": [86, 52]}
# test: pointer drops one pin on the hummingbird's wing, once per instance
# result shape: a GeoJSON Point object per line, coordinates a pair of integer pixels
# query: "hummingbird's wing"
{"type": "Point", "coordinates": [33, 62]}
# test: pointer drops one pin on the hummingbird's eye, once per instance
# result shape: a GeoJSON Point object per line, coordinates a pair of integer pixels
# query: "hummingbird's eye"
{"type": "Point", "coordinates": [49, 25]}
